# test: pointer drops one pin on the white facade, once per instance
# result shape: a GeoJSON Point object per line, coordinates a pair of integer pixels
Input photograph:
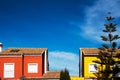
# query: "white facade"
{"type": "Point", "coordinates": [46, 62]}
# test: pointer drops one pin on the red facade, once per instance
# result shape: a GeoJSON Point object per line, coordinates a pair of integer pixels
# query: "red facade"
{"type": "Point", "coordinates": [27, 65]}
{"type": "Point", "coordinates": [18, 66]}
{"type": "Point", "coordinates": [33, 59]}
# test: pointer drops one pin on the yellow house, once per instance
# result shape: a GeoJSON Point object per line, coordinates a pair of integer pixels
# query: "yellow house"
{"type": "Point", "coordinates": [76, 78]}
{"type": "Point", "coordinates": [87, 67]}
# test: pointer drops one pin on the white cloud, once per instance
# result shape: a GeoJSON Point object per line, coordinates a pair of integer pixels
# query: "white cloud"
{"type": "Point", "coordinates": [95, 18]}
{"type": "Point", "coordinates": [60, 60]}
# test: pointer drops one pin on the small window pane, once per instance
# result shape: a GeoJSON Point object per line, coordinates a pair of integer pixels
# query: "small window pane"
{"type": "Point", "coordinates": [8, 70]}
{"type": "Point", "coordinates": [32, 68]}
{"type": "Point", "coordinates": [14, 50]}
{"type": "Point", "coordinates": [93, 68]}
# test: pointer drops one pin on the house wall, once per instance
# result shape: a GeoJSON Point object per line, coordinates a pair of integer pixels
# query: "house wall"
{"type": "Point", "coordinates": [33, 59]}
{"type": "Point", "coordinates": [76, 78]}
{"type": "Point", "coordinates": [88, 60]}
{"type": "Point", "coordinates": [17, 60]}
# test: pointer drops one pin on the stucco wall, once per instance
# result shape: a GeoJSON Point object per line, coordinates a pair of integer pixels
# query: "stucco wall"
{"type": "Point", "coordinates": [33, 59]}
{"type": "Point", "coordinates": [17, 65]}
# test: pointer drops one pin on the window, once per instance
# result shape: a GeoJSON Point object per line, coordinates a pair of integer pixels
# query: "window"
{"type": "Point", "coordinates": [32, 68]}
{"type": "Point", "coordinates": [8, 70]}
{"type": "Point", "coordinates": [93, 68]}
{"type": "Point", "coordinates": [14, 50]}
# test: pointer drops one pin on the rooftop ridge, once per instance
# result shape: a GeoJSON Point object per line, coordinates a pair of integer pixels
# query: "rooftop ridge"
{"type": "Point", "coordinates": [93, 51]}
{"type": "Point", "coordinates": [24, 51]}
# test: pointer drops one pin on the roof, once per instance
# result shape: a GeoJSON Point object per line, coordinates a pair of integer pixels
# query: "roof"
{"type": "Point", "coordinates": [90, 50]}
{"type": "Point", "coordinates": [93, 51]}
{"type": "Point", "coordinates": [52, 74]}
{"type": "Point", "coordinates": [24, 51]}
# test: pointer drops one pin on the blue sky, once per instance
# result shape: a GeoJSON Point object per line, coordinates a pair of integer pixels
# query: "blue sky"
{"type": "Point", "coordinates": [62, 26]}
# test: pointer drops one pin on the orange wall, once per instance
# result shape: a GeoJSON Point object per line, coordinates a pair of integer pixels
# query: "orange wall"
{"type": "Point", "coordinates": [18, 66]}
{"type": "Point", "coordinates": [33, 59]}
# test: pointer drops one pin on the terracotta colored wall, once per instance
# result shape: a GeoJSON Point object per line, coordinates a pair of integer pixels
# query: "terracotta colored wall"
{"type": "Point", "coordinates": [18, 66]}
{"type": "Point", "coordinates": [33, 59]}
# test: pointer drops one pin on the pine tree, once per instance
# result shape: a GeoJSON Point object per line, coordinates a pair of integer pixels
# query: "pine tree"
{"type": "Point", "coordinates": [64, 75]}
{"type": "Point", "coordinates": [67, 74]}
{"type": "Point", "coordinates": [106, 57]}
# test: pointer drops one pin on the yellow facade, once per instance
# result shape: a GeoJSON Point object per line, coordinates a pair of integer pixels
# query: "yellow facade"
{"type": "Point", "coordinates": [77, 78]}
{"type": "Point", "coordinates": [88, 60]}
{"type": "Point", "coordinates": [88, 69]}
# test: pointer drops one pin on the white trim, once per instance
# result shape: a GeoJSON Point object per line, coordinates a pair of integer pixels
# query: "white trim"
{"type": "Point", "coordinates": [18, 55]}
{"type": "Point", "coordinates": [92, 68]}
{"type": "Point", "coordinates": [9, 76]}
{"type": "Point", "coordinates": [0, 48]}
{"type": "Point", "coordinates": [11, 56]}
{"type": "Point", "coordinates": [30, 71]}
{"type": "Point", "coordinates": [9, 63]}
{"type": "Point", "coordinates": [45, 62]}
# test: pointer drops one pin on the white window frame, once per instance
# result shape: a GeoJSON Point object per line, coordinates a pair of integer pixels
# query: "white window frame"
{"type": "Point", "coordinates": [91, 68]}
{"type": "Point", "coordinates": [32, 70]}
{"type": "Point", "coordinates": [13, 73]}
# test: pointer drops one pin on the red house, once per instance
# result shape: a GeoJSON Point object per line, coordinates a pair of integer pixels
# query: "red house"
{"type": "Point", "coordinates": [18, 62]}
